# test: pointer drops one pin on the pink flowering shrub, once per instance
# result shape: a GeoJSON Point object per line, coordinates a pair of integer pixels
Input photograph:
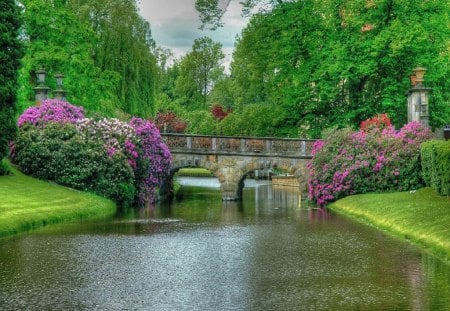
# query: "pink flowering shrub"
{"type": "Point", "coordinates": [51, 110]}
{"type": "Point", "coordinates": [116, 136]}
{"type": "Point", "coordinates": [154, 159]}
{"type": "Point", "coordinates": [371, 160]}
{"type": "Point", "coordinates": [125, 162]}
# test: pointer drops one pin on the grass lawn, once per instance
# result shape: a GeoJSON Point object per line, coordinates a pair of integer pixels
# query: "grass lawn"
{"type": "Point", "coordinates": [27, 203]}
{"type": "Point", "coordinates": [423, 217]}
{"type": "Point", "coordinates": [194, 172]}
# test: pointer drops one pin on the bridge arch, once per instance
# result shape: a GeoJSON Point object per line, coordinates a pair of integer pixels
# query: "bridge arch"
{"type": "Point", "coordinates": [231, 159]}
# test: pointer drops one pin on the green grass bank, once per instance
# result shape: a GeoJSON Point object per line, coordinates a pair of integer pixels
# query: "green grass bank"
{"type": "Point", "coordinates": [422, 217]}
{"type": "Point", "coordinates": [194, 172]}
{"type": "Point", "coordinates": [27, 203]}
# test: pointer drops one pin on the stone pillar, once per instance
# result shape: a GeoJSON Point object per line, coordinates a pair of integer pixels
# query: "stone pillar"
{"type": "Point", "coordinates": [231, 181]}
{"type": "Point", "coordinates": [59, 93]}
{"type": "Point", "coordinates": [41, 90]}
{"type": "Point", "coordinates": [418, 98]}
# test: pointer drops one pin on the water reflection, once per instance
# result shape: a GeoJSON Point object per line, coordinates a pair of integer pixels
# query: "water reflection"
{"type": "Point", "coordinates": [265, 253]}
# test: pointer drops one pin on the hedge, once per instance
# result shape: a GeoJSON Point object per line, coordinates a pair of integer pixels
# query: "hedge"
{"type": "Point", "coordinates": [435, 156]}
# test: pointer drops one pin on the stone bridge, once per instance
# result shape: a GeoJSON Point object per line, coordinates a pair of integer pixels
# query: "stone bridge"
{"type": "Point", "coordinates": [231, 159]}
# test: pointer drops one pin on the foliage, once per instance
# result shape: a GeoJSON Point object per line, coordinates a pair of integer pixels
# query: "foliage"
{"type": "Point", "coordinates": [435, 156]}
{"type": "Point", "coordinates": [154, 159]}
{"type": "Point", "coordinates": [198, 71]}
{"type": "Point", "coordinates": [118, 160]}
{"type": "Point", "coordinates": [10, 54]}
{"type": "Point", "coordinates": [169, 122]}
{"type": "Point", "coordinates": [254, 120]}
{"type": "Point", "coordinates": [336, 63]}
{"type": "Point", "coordinates": [116, 137]}
{"type": "Point", "coordinates": [218, 112]}
{"type": "Point", "coordinates": [373, 160]}
{"type": "Point", "coordinates": [51, 110]}
{"type": "Point", "coordinates": [201, 122]}
{"type": "Point", "coordinates": [57, 40]}
{"type": "Point", "coordinates": [102, 47]}
{"type": "Point", "coordinates": [211, 11]}
{"type": "Point", "coordinates": [56, 152]}
{"type": "Point", "coordinates": [380, 121]}
{"type": "Point", "coordinates": [123, 46]}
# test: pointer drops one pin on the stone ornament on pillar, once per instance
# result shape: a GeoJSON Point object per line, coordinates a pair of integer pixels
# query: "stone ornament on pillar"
{"type": "Point", "coordinates": [41, 90]}
{"type": "Point", "coordinates": [418, 98]}
{"type": "Point", "coordinates": [59, 93]}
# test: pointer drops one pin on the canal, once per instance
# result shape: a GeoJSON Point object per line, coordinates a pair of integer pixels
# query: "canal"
{"type": "Point", "coordinates": [268, 252]}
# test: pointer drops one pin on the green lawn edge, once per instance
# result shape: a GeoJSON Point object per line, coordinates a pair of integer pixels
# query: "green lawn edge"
{"type": "Point", "coordinates": [422, 217]}
{"type": "Point", "coordinates": [28, 203]}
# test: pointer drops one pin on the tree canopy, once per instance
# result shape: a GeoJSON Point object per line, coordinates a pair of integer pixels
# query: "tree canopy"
{"type": "Point", "coordinates": [198, 71]}
{"type": "Point", "coordinates": [102, 47]}
{"type": "Point", "coordinates": [10, 54]}
{"type": "Point", "coordinates": [334, 63]}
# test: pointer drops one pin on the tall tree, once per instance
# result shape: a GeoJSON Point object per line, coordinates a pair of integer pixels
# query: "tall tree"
{"type": "Point", "coordinates": [124, 45]}
{"type": "Point", "coordinates": [335, 63]}
{"type": "Point", "coordinates": [10, 54]}
{"type": "Point", "coordinates": [199, 70]}
{"type": "Point", "coordinates": [211, 11]}
{"type": "Point", "coordinates": [103, 47]}
{"type": "Point", "coordinates": [57, 40]}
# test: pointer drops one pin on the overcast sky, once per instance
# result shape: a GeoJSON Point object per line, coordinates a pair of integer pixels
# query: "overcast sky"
{"type": "Point", "coordinates": [175, 25]}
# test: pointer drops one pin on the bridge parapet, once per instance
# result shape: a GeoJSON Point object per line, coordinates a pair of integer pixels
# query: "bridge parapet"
{"type": "Point", "coordinates": [226, 145]}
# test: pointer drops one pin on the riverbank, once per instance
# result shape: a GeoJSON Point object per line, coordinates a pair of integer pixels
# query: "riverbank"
{"type": "Point", "coordinates": [421, 216]}
{"type": "Point", "coordinates": [27, 203]}
{"type": "Point", "coordinates": [194, 172]}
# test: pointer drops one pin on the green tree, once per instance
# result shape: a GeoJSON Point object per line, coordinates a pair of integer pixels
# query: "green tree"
{"type": "Point", "coordinates": [10, 54]}
{"type": "Point", "coordinates": [57, 40]}
{"type": "Point", "coordinates": [199, 70]}
{"type": "Point", "coordinates": [123, 45]}
{"type": "Point", "coordinates": [104, 48]}
{"type": "Point", "coordinates": [211, 11]}
{"type": "Point", "coordinates": [335, 63]}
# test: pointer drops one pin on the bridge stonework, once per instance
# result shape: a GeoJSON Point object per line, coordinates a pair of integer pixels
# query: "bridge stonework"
{"type": "Point", "coordinates": [231, 159]}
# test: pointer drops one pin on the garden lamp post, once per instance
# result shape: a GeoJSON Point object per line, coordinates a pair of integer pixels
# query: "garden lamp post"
{"type": "Point", "coordinates": [418, 98]}
{"type": "Point", "coordinates": [41, 90]}
{"type": "Point", "coordinates": [59, 93]}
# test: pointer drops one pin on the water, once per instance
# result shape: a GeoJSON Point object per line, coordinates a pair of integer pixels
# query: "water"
{"type": "Point", "coordinates": [266, 253]}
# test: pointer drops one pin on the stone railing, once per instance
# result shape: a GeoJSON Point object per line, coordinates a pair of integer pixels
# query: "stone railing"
{"type": "Point", "coordinates": [255, 146]}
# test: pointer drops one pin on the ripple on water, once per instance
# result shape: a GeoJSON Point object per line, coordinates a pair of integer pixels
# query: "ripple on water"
{"type": "Point", "coordinates": [219, 257]}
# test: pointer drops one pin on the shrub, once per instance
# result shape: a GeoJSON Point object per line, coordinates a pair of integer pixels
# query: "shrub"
{"type": "Point", "coordinates": [121, 161]}
{"type": "Point", "coordinates": [51, 110]}
{"type": "Point", "coordinates": [218, 112]}
{"type": "Point", "coordinates": [436, 165]}
{"type": "Point", "coordinates": [116, 136]}
{"type": "Point", "coordinates": [169, 122]}
{"type": "Point", "coordinates": [376, 158]}
{"type": "Point", "coordinates": [153, 162]}
{"type": "Point", "coordinates": [56, 152]}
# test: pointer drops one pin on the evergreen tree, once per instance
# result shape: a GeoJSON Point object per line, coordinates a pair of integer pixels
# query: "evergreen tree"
{"type": "Point", "coordinates": [10, 54]}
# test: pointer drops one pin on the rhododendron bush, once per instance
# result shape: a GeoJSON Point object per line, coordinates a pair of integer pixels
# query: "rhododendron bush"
{"type": "Point", "coordinates": [154, 158]}
{"type": "Point", "coordinates": [123, 161]}
{"type": "Point", "coordinates": [376, 158]}
{"type": "Point", "coordinates": [51, 110]}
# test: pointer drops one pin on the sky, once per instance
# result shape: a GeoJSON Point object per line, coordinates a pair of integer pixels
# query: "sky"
{"type": "Point", "coordinates": [175, 25]}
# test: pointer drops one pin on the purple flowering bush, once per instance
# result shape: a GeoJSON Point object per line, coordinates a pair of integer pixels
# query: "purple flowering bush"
{"type": "Point", "coordinates": [125, 162]}
{"type": "Point", "coordinates": [154, 159]}
{"type": "Point", "coordinates": [117, 136]}
{"type": "Point", "coordinates": [51, 110]}
{"type": "Point", "coordinates": [371, 160]}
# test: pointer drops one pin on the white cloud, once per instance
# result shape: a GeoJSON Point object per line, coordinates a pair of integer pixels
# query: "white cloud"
{"type": "Point", "coordinates": [175, 25]}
